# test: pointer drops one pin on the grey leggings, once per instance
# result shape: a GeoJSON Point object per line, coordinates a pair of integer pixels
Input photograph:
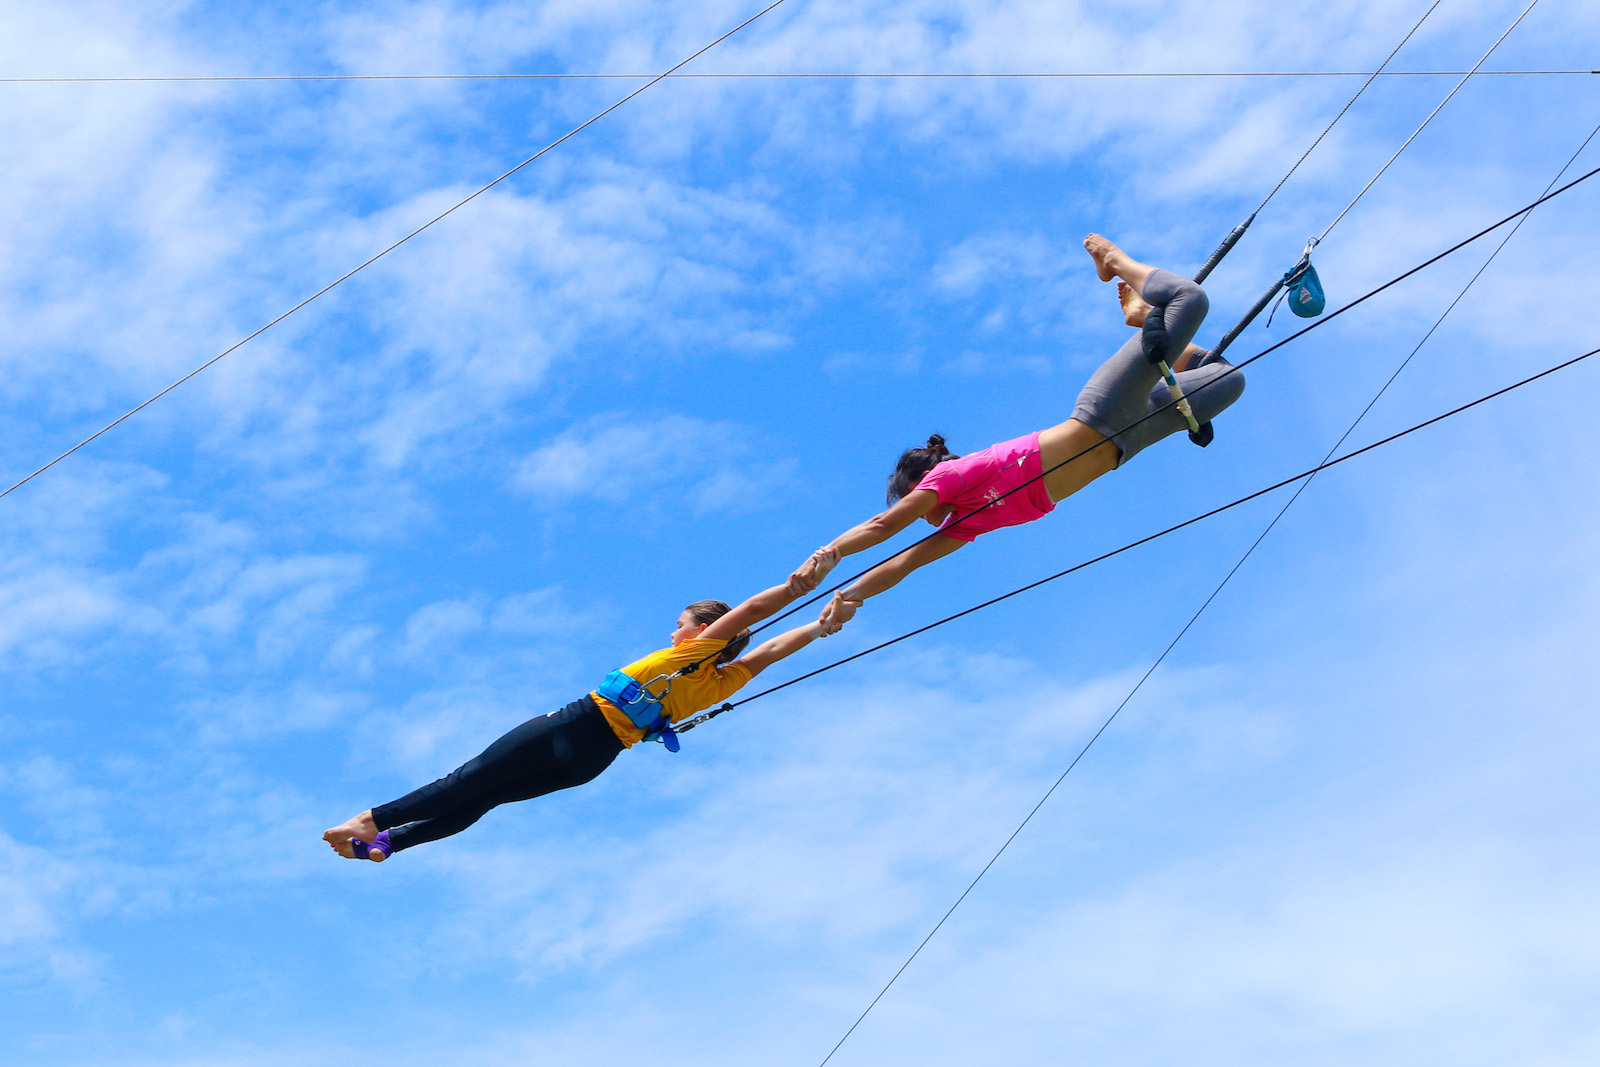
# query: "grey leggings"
{"type": "Point", "coordinates": [1127, 387]}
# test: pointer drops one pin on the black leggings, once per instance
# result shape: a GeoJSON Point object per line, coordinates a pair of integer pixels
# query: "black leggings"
{"type": "Point", "coordinates": [555, 751]}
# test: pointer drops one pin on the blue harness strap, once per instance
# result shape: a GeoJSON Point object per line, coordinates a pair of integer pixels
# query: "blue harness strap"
{"type": "Point", "coordinates": [642, 707]}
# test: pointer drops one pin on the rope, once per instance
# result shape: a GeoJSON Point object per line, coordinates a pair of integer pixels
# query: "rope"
{"type": "Point", "coordinates": [1346, 107]}
{"type": "Point", "coordinates": [134, 79]}
{"type": "Point", "coordinates": [1232, 368]}
{"type": "Point", "coordinates": [1327, 462]}
{"type": "Point", "coordinates": [1200, 275]}
{"type": "Point", "coordinates": [1348, 431]}
{"type": "Point", "coordinates": [691, 723]}
{"type": "Point", "coordinates": [1278, 283]}
{"type": "Point", "coordinates": [1429, 119]}
{"type": "Point", "coordinates": [351, 273]}
{"type": "Point", "coordinates": [1103, 726]}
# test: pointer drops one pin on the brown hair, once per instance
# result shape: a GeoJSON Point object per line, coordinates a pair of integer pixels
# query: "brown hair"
{"type": "Point", "coordinates": [914, 465]}
{"type": "Point", "coordinates": [706, 612]}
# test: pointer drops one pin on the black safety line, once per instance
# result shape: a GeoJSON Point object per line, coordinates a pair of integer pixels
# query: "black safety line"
{"type": "Point", "coordinates": [1324, 320]}
{"type": "Point", "coordinates": [689, 724]}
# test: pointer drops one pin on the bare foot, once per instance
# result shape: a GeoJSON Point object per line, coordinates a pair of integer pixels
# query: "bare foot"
{"type": "Point", "coordinates": [1105, 255]}
{"type": "Point", "coordinates": [360, 826]}
{"type": "Point", "coordinates": [1134, 308]}
{"type": "Point", "coordinates": [1112, 262]}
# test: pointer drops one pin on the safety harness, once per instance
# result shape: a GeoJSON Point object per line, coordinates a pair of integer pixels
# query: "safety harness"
{"type": "Point", "coordinates": [643, 707]}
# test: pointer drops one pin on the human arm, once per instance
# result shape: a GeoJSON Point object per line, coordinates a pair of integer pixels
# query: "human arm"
{"type": "Point", "coordinates": [876, 530]}
{"type": "Point", "coordinates": [885, 575]}
{"type": "Point", "coordinates": [765, 603]}
{"type": "Point", "coordinates": [772, 650]}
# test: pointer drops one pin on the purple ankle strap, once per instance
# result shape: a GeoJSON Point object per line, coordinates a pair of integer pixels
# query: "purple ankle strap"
{"type": "Point", "coordinates": [362, 850]}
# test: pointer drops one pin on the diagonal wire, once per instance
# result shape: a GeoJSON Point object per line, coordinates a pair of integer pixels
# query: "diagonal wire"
{"type": "Point", "coordinates": [1348, 104]}
{"type": "Point", "coordinates": [367, 263]}
{"type": "Point", "coordinates": [1232, 368]}
{"type": "Point", "coordinates": [1327, 461]}
{"type": "Point", "coordinates": [1305, 482]}
{"type": "Point", "coordinates": [1103, 726]}
{"type": "Point", "coordinates": [1429, 119]}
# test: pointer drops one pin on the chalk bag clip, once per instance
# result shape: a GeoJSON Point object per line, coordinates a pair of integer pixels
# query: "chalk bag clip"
{"type": "Point", "coordinates": [1302, 288]}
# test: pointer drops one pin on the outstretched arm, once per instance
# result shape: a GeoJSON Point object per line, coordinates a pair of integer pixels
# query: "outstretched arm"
{"type": "Point", "coordinates": [884, 576]}
{"type": "Point", "coordinates": [771, 651]}
{"type": "Point", "coordinates": [767, 602]}
{"type": "Point", "coordinates": [876, 530]}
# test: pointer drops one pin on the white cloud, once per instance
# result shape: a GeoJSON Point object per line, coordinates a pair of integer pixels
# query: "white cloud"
{"type": "Point", "coordinates": [286, 591]}
{"type": "Point", "coordinates": [33, 934]}
{"type": "Point", "coordinates": [645, 465]}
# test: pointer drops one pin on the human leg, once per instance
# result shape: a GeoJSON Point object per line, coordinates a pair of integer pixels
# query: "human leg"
{"type": "Point", "coordinates": [573, 773]}
{"type": "Point", "coordinates": [555, 751]}
{"type": "Point", "coordinates": [464, 815]}
{"type": "Point", "coordinates": [1072, 455]}
{"type": "Point", "coordinates": [1117, 395]}
{"type": "Point", "coordinates": [1210, 389]}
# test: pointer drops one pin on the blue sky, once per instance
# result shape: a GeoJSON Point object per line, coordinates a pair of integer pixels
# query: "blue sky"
{"type": "Point", "coordinates": [1348, 819]}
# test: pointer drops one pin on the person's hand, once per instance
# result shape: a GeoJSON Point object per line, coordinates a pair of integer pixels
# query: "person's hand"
{"type": "Point", "coordinates": [838, 612]}
{"type": "Point", "coordinates": [809, 574]}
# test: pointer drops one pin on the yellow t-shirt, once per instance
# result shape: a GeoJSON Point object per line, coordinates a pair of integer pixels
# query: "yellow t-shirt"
{"type": "Point", "coordinates": [708, 685]}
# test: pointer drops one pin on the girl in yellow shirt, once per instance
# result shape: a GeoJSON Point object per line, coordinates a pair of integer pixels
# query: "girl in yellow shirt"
{"type": "Point", "coordinates": [571, 746]}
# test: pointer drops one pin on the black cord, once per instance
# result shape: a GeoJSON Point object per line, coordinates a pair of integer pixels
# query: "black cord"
{"type": "Point", "coordinates": [703, 717]}
{"type": "Point", "coordinates": [1170, 404]}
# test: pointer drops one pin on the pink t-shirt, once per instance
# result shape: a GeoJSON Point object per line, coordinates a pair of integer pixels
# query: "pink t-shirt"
{"type": "Point", "coordinates": [972, 481]}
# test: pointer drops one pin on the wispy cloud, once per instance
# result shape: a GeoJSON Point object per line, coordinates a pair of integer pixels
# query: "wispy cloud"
{"type": "Point", "coordinates": [645, 464]}
{"type": "Point", "coordinates": [1339, 825]}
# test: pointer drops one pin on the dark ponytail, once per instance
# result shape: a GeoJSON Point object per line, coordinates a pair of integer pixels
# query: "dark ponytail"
{"type": "Point", "coordinates": [914, 465]}
{"type": "Point", "coordinates": [706, 612]}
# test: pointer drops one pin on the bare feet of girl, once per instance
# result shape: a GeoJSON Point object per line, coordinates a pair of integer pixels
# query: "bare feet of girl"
{"type": "Point", "coordinates": [1112, 262]}
{"type": "Point", "coordinates": [360, 826]}
{"type": "Point", "coordinates": [1105, 255]}
{"type": "Point", "coordinates": [1134, 309]}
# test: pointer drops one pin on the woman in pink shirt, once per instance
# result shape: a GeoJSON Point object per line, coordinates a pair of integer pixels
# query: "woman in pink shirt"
{"type": "Point", "coordinates": [1124, 408]}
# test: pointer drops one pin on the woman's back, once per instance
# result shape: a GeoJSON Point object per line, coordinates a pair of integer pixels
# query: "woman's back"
{"type": "Point", "coordinates": [988, 477]}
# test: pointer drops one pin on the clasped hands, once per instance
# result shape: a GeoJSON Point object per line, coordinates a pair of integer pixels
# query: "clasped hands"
{"type": "Point", "coordinates": [809, 575]}
{"type": "Point", "coordinates": [838, 612]}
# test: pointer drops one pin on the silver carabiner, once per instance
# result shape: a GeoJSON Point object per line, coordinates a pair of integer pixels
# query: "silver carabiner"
{"type": "Point", "coordinates": [644, 688]}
